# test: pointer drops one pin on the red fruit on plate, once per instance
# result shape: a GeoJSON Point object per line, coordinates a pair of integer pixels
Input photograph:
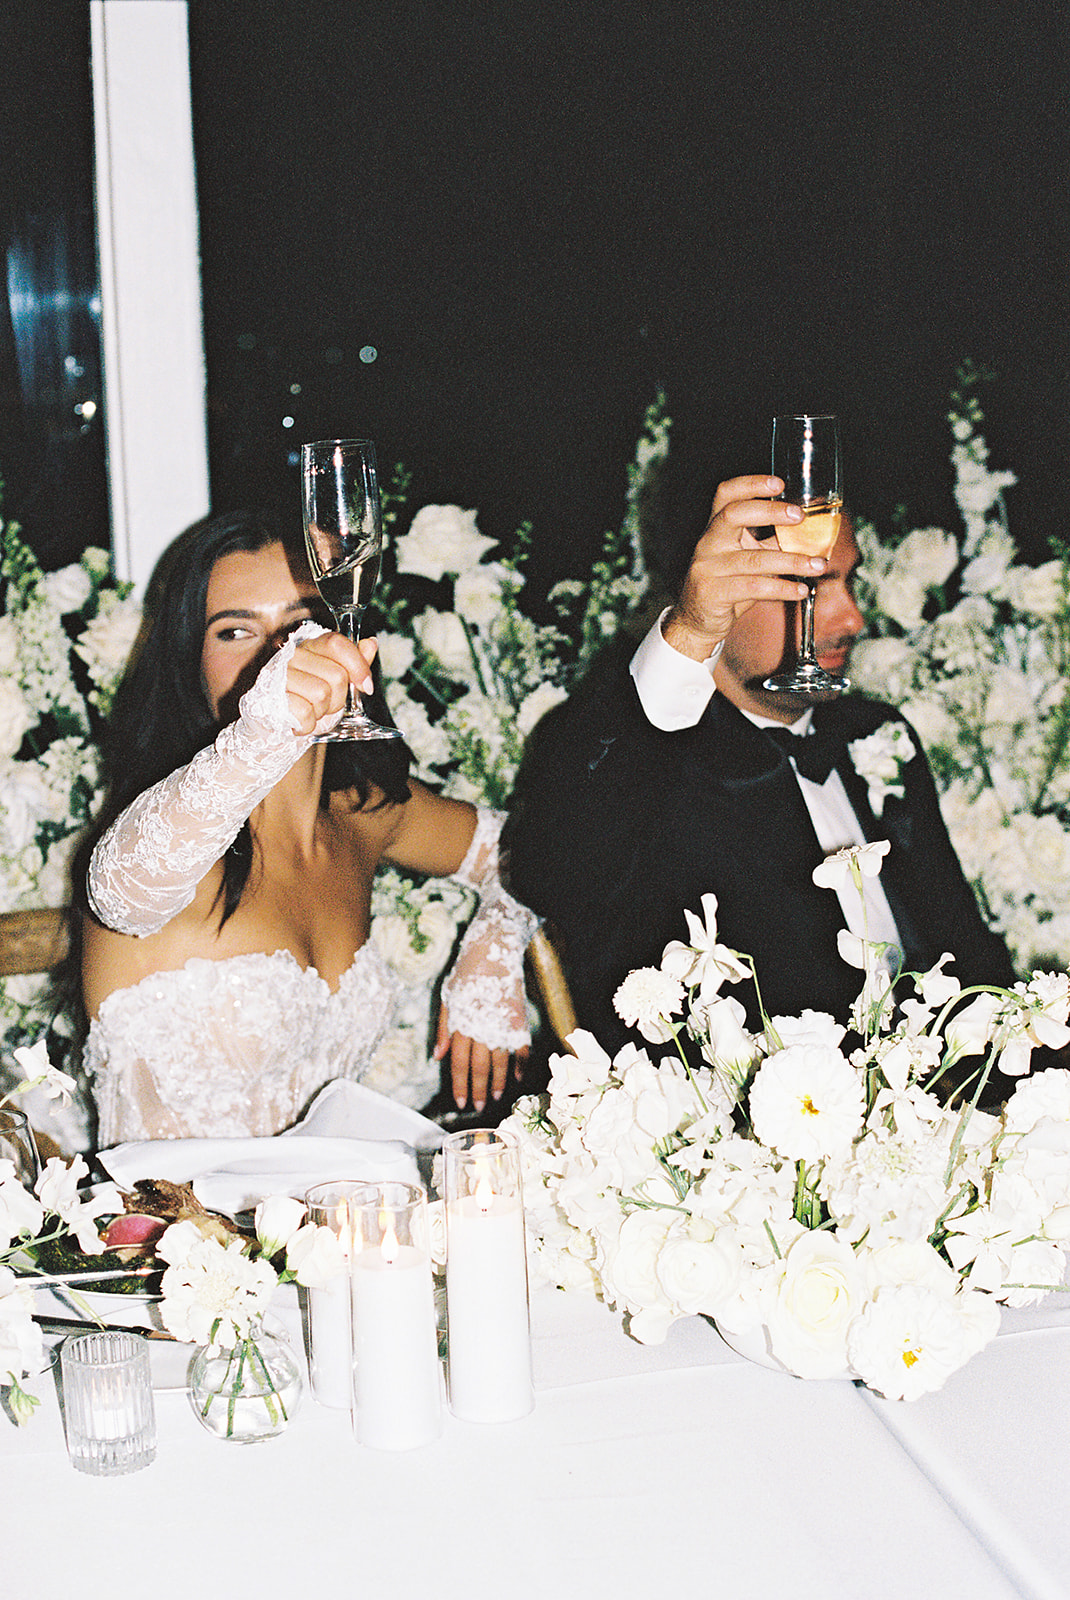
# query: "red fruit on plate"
{"type": "Point", "coordinates": [133, 1230]}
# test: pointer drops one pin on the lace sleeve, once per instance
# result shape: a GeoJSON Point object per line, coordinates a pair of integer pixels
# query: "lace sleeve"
{"type": "Point", "coordinates": [484, 993]}
{"type": "Point", "coordinates": [146, 868]}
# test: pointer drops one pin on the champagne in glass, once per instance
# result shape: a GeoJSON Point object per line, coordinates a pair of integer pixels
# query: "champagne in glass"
{"type": "Point", "coordinates": [344, 541]}
{"type": "Point", "coordinates": [806, 455]}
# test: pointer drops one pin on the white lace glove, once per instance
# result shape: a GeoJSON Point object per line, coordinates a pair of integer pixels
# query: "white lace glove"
{"type": "Point", "coordinates": [484, 994]}
{"type": "Point", "coordinates": [146, 868]}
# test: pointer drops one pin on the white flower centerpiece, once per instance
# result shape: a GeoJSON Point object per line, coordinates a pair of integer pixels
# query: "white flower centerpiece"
{"type": "Point", "coordinates": [216, 1284]}
{"type": "Point", "coordinates": [974, 646]}
{"type": "Point", "coordinates": [827, 1198]}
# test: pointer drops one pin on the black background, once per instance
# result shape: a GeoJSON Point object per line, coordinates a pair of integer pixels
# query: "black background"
{"type": "Point", "coordinates": [537, 213]}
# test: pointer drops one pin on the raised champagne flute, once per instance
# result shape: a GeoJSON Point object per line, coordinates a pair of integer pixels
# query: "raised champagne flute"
{"type": "Point", "coordinates": [806, 455]}
{"type": "Point", "coordinates": [344, 541]}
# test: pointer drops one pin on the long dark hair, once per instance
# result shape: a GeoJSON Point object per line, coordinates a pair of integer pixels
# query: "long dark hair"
{"type": "Point", "coordinates": [161, 716]}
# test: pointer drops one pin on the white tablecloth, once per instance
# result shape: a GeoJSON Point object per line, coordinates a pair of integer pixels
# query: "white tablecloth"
{"type": "Point", "coordinates": [642, 1471]}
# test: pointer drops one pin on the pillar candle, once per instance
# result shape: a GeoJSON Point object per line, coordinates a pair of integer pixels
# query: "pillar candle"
{"type": "Point", "coordinates": [486, 1280]}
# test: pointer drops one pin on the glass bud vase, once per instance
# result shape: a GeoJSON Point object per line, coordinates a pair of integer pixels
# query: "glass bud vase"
{"type": "Point", "coordinates": [248, 1392]}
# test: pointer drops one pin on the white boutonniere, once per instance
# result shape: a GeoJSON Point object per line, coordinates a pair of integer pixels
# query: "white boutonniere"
{"type": "Point", "coordinates": [879, 759]}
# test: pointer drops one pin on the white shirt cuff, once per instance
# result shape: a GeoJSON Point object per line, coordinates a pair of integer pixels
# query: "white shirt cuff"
{"type": "Point", "coordinates": [673, 689]}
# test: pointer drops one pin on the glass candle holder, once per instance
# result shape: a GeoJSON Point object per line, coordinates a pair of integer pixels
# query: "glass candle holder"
{"type": "Point", "coordinates": [17, 1144]}
{"type": "Point", "coordinates": [397, 1380]}
{"type": "Point", "coordinates": [486, 1278]}
{"type": "Point", "coordinates": [330, 1323]}
{"type": "Point", "coordinates": [107, 1402]}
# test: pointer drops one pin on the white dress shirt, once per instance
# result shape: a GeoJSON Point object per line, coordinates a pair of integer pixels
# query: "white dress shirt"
{"type": "Point", "coordinates": [674, 691]}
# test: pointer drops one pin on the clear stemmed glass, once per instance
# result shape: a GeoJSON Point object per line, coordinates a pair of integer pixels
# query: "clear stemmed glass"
{"type": "Point", "coordinates": [806, 455]}
{"type": "Point", "coordinates": [344, 541]}
{"type": "Point", "coordinates": [17, 1145]}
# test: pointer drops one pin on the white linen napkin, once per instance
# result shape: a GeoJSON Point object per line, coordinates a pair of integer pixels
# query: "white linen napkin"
{"type": "Point", "coordinates": [348, 1132]}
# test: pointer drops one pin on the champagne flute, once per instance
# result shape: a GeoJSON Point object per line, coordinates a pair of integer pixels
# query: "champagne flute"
{"type": "Point", "coordinates": [17, 1145]}
{"type": "Point", "coordinates": [806, 455]}
{"type": "Point", "coordinates": [344, 541]}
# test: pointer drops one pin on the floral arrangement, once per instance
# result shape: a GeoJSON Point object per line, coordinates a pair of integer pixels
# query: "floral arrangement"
{"type": "Point", "coordinates": [216, 1283]}
{"type": "Point", "coordinates": [974, 646]}
{"type": "Point", "coordinates": [826, 1197]}
{"type": "Point", "coordinates": [64, 640]}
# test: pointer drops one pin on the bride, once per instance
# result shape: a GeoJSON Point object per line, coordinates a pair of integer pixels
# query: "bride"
{"type": "Point", "coordinates": [225, 962]}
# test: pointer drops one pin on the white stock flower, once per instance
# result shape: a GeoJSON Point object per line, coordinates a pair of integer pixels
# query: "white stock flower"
{"type": "Point", "coordinates": [441, 539]}
{"type": "Point", "coordinates": [107, 640]}
{"type": "Point", "coordinates": [806, 1103]}
{"type": "Point", "coordinates": [820, 1292]}
{"type": "Point", "coordinates": [909, 1339]}
{"type": "Point", "coordinates": [646, 999]}
{"type": "Point", "coordinates": [16, 717]}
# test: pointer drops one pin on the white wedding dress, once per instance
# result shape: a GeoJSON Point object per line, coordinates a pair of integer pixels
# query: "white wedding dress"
{"type": "Point", "coordinates": [239, 1046]}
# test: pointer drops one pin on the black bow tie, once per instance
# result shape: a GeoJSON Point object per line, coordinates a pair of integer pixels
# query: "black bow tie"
{"type": "Point", "coordinates": [815, 754]}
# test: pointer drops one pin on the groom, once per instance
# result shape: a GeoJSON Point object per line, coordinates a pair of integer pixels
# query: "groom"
{"type": "Point", "coordinates": [683, 775]}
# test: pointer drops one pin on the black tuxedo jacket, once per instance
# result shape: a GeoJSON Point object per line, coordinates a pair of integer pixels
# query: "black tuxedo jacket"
{"type": "Point", "coordinates": [618, 827]}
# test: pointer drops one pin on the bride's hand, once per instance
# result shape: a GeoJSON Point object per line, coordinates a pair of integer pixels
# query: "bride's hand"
{"type": "Point", "coordinates": [319, 676]}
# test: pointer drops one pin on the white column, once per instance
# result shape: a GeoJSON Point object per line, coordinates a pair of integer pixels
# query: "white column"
{"type": "Point", "coordinates": [152, 334]}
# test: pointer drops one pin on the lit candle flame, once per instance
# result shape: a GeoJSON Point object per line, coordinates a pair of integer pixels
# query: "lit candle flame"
{"type": "Point", "coordinates": [389, 1245]}
{"type": "Point", "coordinates": [484, 1193]}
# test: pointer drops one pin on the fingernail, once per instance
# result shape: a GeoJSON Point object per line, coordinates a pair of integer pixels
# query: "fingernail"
{"type": "Point", "coordinates": [818, 563]}
{"type": "Point", "coordinates": [477, 1106]}
{"type": "Point", "coordinates": [794, 513]}
{"type": "Point", "coordinates": [460, 1101]}
{"type": "Point", "coordinates": [496, 1094]}
{"type": "Point", "coordinates": [772, 484]}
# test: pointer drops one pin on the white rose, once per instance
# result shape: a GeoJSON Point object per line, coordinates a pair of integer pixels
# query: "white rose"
{"type": "Point", "coordinates": [820, 1293]}
{"type": "Point", "coordinates": [442, 633]}
{"type": "Point", "coordinates": [477, 594]}
{"type": "Point", "coordinates": [416, 958]}
{"type": "Point", "coordinates": [884, 666]}
{"type": "Point", "coordinates": [699, 1276]}
{"type": "Point", "coordinates": [441, 539]}
{"type": "Point", "coordinates": [16, 718]}
{"type": "Point", "coordinates": [396, 654]}
{"type": "Point", "coordinates": [68, 589]}
{"type": "Point", "coordinates": [535, 706]}
{"type": "Point", "coordinates": [426, 739]}
{"type": "Point", "coordinates": [106, 642]}
{"type": "Point", "coordinates": [927, 556]}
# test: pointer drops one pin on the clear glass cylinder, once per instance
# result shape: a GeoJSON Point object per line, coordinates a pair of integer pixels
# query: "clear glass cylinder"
{"type": "Point", "coordinates": [486, 1278]}
{"type": "Point", "coordinates": [397, 1379]}
{"type": "Point", "coordinates": [330, 1323]}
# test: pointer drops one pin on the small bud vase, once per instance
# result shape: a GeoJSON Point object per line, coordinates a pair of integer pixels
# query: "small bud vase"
{"type": "Point", "coordinates": [248, 1392]}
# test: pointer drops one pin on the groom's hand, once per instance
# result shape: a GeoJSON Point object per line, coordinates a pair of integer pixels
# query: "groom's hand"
{"type": "Point", "coordinates": [732, 568]}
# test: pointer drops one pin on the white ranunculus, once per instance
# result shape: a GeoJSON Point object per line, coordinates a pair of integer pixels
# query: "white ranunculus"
{"type": "Point", "coordinates": [16, 717]}
{"type": "Point", "coordinates": [396, 654]}
{"type": "Point", "coordinates": [820, 1292]}
{"type": "Point", "coordinates": [441, 539]}
{"type": "Point", "coordinates": [909, 1339]}
{"type": "Point", "coordinates": [477, 594]}
{"type": "Point", "coordinates": [535, 706]}
{"type": "Point", "coordinates": [402, 1065]}
{"type": "Point", "coordinates": [806, 1103]}
{"type": "Point", "coordinates": [68, 589]}
{"type": "Point", "coordinates": [442, 633]}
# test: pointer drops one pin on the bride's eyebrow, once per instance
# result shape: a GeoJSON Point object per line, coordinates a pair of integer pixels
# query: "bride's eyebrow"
{"type": "Point", "coordinates": [301, 603]}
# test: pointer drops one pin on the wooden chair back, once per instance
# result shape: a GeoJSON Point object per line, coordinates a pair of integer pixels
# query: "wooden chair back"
{"type": "Point", "coordinates": [544, 963]}
{"type": "Point", "coordinates": [31, 941]}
